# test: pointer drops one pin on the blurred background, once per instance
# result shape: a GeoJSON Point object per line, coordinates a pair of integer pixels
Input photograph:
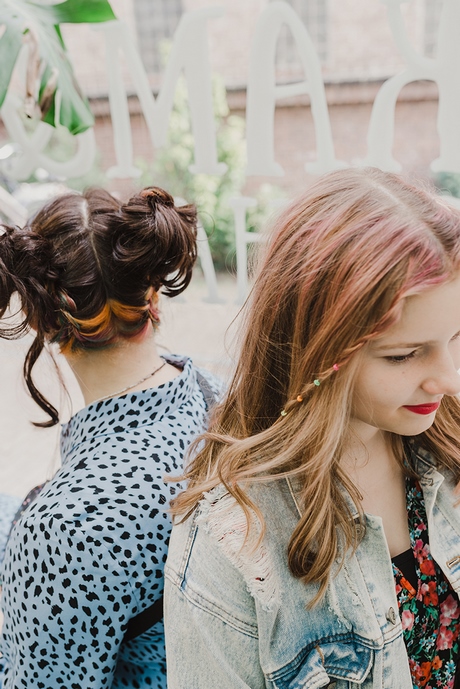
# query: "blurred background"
{"type": "Point", "coordinates": [360, 45]}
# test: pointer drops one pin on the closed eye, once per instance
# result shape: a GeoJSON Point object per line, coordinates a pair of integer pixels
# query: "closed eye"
{"type": "Point", "coordinates": [401, 358]}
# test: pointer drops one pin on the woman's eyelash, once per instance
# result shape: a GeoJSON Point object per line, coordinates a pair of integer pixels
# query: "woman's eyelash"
{"type": "Point", "coordinates": [401, 358]}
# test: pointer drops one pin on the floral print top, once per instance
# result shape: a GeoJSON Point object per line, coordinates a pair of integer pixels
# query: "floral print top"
{"type": "Point", "coordinates": [430, 615]}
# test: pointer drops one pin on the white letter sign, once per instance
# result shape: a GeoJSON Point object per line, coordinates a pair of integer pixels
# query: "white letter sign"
{"type": "Point", "coordinates": [263, 92]}
{"type": "Point", "coordinates": [189, 53]}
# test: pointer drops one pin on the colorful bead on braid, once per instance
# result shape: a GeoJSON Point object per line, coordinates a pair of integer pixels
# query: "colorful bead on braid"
{"type": "Point", "coordinates": [316, 382]}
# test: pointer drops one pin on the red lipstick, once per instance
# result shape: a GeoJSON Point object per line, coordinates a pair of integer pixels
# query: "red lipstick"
{"type": "Point", "coordinates": [423, 408]}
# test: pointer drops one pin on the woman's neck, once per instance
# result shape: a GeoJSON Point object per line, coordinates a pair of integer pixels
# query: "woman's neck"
{"type": "Point", "coordinates": [120, 368]}
{"type": "Point", "coordinates": [370, 462]}
{"type": "Point", "coordinates": [368, 456]}
{"type": "Point", "coordinates": [366, 461]}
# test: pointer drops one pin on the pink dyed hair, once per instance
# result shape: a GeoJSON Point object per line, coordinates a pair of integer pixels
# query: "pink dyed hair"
{"type": "Point", "coordinates": [334, 275]}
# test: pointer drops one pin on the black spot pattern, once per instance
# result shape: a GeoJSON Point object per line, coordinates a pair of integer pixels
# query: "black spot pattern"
{"type": "Point", "coordinates": [89, 553]}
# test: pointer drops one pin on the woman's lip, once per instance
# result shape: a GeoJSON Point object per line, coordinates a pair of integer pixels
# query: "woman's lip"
{"type": "Point", "coordinates": [422, 408]}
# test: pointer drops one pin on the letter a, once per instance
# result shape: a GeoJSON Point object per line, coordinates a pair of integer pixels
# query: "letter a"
{"type": "Point", "coordinates": [263, 93]}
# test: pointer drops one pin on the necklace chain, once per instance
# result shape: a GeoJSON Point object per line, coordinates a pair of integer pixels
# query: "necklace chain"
{"type": "Point", "coordinates": [129, 387]}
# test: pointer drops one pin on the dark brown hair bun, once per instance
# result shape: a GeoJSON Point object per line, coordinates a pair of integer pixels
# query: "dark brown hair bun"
{"type": "Point", "coordinates": [157, 195]}
{"type": "Point", "coordinates": [86, 259]}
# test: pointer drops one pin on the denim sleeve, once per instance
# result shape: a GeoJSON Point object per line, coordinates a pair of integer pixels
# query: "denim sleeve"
{"type": "Point", "coordinates": [206, 651]}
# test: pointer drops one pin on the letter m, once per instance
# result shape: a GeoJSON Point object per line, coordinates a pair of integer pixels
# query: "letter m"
{"type": "Point", "coordinates": [189, 55]}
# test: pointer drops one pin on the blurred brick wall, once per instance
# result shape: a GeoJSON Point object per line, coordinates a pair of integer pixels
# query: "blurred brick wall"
{"type": "Point", "coordinates": [361, 55]}
{"type": "Point", "coordinates": [360, 44]}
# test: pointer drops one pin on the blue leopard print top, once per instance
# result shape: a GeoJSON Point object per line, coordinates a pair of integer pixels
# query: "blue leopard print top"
{"type": "Point", "coordinates": [88, 554]}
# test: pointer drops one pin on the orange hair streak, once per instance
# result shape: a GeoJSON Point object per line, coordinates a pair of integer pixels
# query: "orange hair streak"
{"type": "Point", "coordinates": [114, 320]}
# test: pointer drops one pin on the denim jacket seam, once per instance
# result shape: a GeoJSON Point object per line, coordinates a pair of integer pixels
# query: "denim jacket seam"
{"type": "Point", "coordinates": [199, 601]}
{"type": "Point", "coordinates": [183, 565]}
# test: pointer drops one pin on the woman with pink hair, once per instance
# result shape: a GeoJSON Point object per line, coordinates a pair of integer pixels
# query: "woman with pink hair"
{"type": "Point", "coordinates": [318, 541]}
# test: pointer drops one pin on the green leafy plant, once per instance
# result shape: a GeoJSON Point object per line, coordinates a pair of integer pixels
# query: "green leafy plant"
{"type": "Point", "coordinates": [210, 193]}
{"type": "Point", "coordinates": [60, 148]}
{"type": "Point", "coordinates": [49, 69]}
{"type": "Point", "coordinates": [448, 182]}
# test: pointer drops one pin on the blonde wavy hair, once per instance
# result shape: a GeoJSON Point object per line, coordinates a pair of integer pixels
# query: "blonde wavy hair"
{"type": "Point", "coordinates": [340, 261]}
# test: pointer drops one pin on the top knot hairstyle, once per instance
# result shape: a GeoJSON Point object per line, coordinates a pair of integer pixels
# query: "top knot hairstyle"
{"type": "Point", "coordinates": [88, 268]}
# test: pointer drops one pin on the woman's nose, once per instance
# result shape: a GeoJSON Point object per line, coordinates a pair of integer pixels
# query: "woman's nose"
{"type": "Point", "coordinates": [444, 378]}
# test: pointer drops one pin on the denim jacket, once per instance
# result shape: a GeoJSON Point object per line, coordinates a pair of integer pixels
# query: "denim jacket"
{"type": "Point", "coordinates": [236, 618]}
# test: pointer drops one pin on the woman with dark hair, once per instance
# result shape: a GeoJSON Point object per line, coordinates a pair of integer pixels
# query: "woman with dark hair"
{"type": "Point", "coordinates": [318, 541]}
{"type": "Point", "coordinates": [83, 569]}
